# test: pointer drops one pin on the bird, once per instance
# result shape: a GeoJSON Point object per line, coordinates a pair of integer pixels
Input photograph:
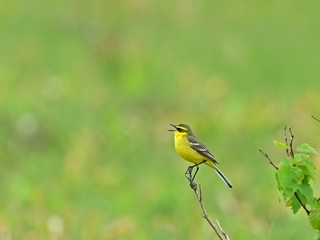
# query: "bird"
{"type": "Point", "coordinates": [191, 149]}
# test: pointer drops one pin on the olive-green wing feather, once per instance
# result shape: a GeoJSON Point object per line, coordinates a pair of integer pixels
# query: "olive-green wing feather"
{"type": "Point", "coordinates": [200, 148]}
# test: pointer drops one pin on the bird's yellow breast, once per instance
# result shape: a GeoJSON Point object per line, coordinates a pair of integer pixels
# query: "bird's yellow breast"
{"type": "Point", "coordinates": [184, 149]}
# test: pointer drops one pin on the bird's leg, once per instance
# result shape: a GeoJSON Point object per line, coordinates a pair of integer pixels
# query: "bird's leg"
{"type": "Point", "coordinates": [188, 173]}
{"type": "Point", "coordinates": [189, 176]}
{"type": "Point", "coordinates": [194, 175]}
{"type": "Point", "coordinates": [197, 166]}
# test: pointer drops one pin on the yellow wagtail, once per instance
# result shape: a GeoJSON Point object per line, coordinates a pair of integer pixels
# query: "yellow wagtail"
{"type": "Point", "coordinates": [191, 149]}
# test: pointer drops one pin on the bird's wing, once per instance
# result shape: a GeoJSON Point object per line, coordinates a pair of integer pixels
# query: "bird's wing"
{"type": "Point", "coordinates": [201, 149]}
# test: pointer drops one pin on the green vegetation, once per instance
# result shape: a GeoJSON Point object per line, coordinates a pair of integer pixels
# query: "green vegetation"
{"type": "Point", "coordinates": [87, 90]}
{"type": "Point", "coordinates": [293, 175]}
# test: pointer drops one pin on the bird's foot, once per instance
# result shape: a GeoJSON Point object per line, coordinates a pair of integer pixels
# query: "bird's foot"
{"type": "Point", "coordinates": [193, 185]}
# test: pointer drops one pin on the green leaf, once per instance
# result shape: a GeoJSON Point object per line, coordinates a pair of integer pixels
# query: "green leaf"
{"type": "Point", "coordinates": [288, 181]}
{"type": "Point", "coordinates": [313, 202]}
{"type": "Point", "coordinates": [294, 204]}
{"type": "Point", "coordinates": [306, 148]}
{"type": "Point", "coordinates": [284, 183]}
{"type": "Point", "coordinates": [304, 162]}
{"type": "Point", "coordinates": [290, 177]}
{"type": "Point", "coordinates": [306, 191]}
{"type": "Point", "coordinates": [314, 218]}
{"type": "Point", "coordinates": [317, 237]}
{"type": "Point", "coordinates": [293, 177]}
{"type": "Point", "coordinates": [280, 144]}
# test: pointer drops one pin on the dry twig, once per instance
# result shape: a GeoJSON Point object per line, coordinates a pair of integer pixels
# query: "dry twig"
{"type": "Point", "coordinates": [317, 119]}
{"type": "Point", "coordinates": [289, 153]}
{"type": "Point", "coordinates": [222, 235]}
{"type": "Point", "coordinates": [222, 231]}
{"type": "Point", "coordinates": [269, 160]}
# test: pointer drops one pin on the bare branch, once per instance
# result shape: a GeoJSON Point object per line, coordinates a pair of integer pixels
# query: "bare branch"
{"type": "Point", "coordinates": [317, 119]}
{"type": "Point", "coordinates": [286, 140]}
{"type": "Point", "coordinates": [291, 142]}
{"type": "Point", "coordinates": [222, 231]}
{"type": "Point", "coordinates": [269, 160]}
{"type": "Point", "coordinates": [221, 234]}
{"type": "Point", "coordinates": [290, 152]}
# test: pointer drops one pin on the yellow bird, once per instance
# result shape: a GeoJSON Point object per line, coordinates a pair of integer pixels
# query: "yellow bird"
{"type": "Point", "coordinates": [191, 149]}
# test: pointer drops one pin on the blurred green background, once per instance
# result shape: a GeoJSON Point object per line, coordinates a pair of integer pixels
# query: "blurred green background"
{"type": "Point", "coordinates": [87, 90]}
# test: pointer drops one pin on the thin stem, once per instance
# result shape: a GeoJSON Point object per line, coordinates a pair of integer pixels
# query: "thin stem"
{"type": "Point", "coordinates": [291, 143]}
{"type": "Point", "coordinates": [289, 151]}
{"type": "Point", "coordinates": [269, 160]}
{"type": "Point", "coordinates": [301, 203]}
{"type": "Point", "coordinates": [286, 140]}
{"type": "Point", "coordinates": [222, 231]}
{"type": "Point", "coordinates": [317, 119]}
{"type": "Point", "coordinates": [221, 235]}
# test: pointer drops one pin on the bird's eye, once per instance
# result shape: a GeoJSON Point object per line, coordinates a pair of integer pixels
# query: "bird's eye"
{"type": "Point", "coordinates": [180, 129]}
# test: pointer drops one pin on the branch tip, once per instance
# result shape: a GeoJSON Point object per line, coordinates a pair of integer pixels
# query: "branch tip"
{"type": "Point", "coordinates": [269, 160]}
{"type": "Point", "coordinates": [198, 192]}
{"type": "Point", "coordinates": [317, 119]}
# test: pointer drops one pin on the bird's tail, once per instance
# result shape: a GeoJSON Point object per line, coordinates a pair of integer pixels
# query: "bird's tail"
{"type": "Point", "coordinates": [223, 177]}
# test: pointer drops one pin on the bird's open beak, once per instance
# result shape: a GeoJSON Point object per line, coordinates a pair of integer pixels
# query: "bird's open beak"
{"type": "Point", "coordinates": [172, 130]}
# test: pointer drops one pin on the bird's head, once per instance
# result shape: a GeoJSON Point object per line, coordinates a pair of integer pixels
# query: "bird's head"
{"type": "Point", "coordinates": [181, 128]}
